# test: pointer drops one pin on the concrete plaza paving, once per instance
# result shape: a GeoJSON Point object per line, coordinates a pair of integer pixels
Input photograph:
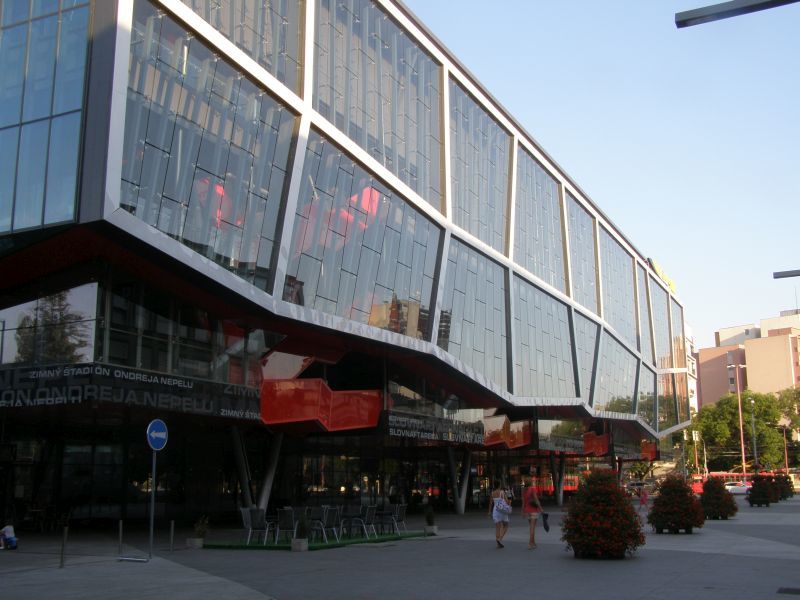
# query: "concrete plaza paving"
{"type": "Point", "coordinates": [754, 555]}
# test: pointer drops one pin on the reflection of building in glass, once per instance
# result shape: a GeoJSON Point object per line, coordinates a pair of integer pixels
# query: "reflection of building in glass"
{"type": "Point", "coordinates": [282, 251]}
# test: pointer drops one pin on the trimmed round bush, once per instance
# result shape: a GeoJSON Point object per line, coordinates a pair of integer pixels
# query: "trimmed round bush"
{"type": "Point", "coordinates": [718, 503]}
{"type": "Point", "coordinates": [675, 508]}
{"type": "Point", "coordinates": [600, 521]}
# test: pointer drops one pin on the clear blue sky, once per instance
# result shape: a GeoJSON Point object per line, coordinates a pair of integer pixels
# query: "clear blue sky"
{"type": "Point", "coordinates": [687, 139]}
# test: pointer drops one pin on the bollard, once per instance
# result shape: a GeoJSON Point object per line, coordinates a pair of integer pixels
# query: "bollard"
{"type": "Point", "coordinates": [63, 547]}
{"type": "Point", "coordinates": [119, 547]}
{"type": "Point", "coordinates": [171, 535]}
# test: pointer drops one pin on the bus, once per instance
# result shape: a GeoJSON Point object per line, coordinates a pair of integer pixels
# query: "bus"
{"type": "Point", "coordinates": [725, 476]}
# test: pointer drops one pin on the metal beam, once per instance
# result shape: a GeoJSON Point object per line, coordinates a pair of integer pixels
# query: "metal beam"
{"type": "Point", "coordinates": [785, 274]}
{"type": "Point", "coordinates": [725, 10]}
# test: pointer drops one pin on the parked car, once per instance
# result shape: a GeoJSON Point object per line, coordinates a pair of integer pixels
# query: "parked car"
{"type": "Point", "coordinates": [737, 487]}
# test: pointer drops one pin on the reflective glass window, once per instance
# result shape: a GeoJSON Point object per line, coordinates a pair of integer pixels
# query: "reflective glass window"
{"type": "Point", "coordinates": [678, 341]}
{"type": "Point", "coordinates": [616, 377]}
{"type": "Point", "coordinates": [206, 150]}
{"type": "Point", "coordinates": [479, 163]}
{"type": "Point", "coordinates": [40, 68]}
{"type": "Point", "coordinates": [13, 42]}
{"type": "Point", "coordinates": [543, 352]}
{"type": "Point", "coordinates": [538, 238]}
{"type": "Point", "coordinates": [473, 320]}
{"type": "Point", "coordinates": [660, 299]}
{"type": "Point", "coordinates": [8, 170]}
{"type": "Point", "coordinates": [43, 53]}
{"type": "Point", "coordinates": [682, 396]}
{"type": "Point", "coordinates": [31, 164]}
{"type": "Point", "coordinates": [582, 254]}
{"type": "Point", "coordinates": [56, 328]}
{"type": "Point", "coordinates": [667, 412]}
{"type": "Point", "coordinates": [268, 31]}
{"type": "Point", "coordinates": [647, 396]}
{"type": "Point", "coordinates": [71, 61]}
{"type": "Point", "coordinates": [358, 249]}
{"type": "Point", "coordinates": [619, 306]}
{"type": "Point", "coordinates": [377, 85]}
{"type": "Point", "coordinates": [62, 168]}
{"type": "Point", "coordinates": [645, 333]}
{"type": "Point", "coordinates": [586, 347]}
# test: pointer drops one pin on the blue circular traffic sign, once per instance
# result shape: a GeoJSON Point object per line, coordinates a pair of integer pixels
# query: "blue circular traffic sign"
{"type": "Point", "coordinates": [157, 434]}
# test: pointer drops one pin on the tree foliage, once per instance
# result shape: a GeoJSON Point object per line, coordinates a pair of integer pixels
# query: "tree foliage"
{"type": "Point", "coordinates": [52, 332]}
{"type": "Point", "coordinates": [718, 425]}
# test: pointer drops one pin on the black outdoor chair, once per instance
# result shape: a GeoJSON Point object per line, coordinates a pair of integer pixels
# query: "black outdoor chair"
{"type": "Point", "coordinates": [286, 524]}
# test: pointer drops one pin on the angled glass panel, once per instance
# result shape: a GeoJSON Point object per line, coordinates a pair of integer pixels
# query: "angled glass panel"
{"type": "Point", "coordinates": [267, 31]}
{"type": "Point", "coordinates": [645, 332]}
{"type": "Point", "coordinates": [538, 238]}
{"type": "Point", "coordinates": [473, 321]}
{"type": "Point", "coordinates": [40, 68]}
{"type": "Point", "coordinates": [8, 170]}
{"type": "Point", "coordinates": [619, 305]}
{"type": "Point", "coordinates": [647, 396]}
{"type": "Point", "coordinates": [479, 163]}
{"type": "Point", "coordinates": [543, 360]}
{"type": "Point", "coordinates": [682, 397]}
{"type": "Point", "coordinates": [660, 301]}
{"type": "Point", "coordinates": [13, 43]}
{"type": "Point", "coordinates": [678, 341]}
{"type": "Point", "coordinates": [71, 61]}
{"type": "Point", "coordinates": [582, 254]}
{"type": "Point", "coordinates": [206, 149]}
{"type": "Point", "coordinates": [31, 165]}
{"type": "Point", "coordinates": [585, 344]}
{"type": "Point", "coordinates": [667, 411]}
{"type": "Point", "coordinates": [358, 249]}
{"type": "Point", "coordinates": [381, 89]}
{"type": "Point", "coordinates": [62, 168]}
{"type": "Point", "coordinates": [616, 377]}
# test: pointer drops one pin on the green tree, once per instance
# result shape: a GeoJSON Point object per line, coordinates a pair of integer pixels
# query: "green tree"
{"type": "Point", "coordinates": [718, 425]}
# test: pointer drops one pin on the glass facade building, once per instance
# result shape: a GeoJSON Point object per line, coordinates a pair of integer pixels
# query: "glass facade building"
{"type": "Point", "coordinates": [214, 198]}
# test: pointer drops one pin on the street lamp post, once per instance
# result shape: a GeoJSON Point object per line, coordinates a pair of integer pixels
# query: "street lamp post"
{"type": "Point", "coordinates": [755, 442]}
{"type": "Point", "coordinates": [785, 452]}
{"type": "Point", "coordinates": [741, 421]}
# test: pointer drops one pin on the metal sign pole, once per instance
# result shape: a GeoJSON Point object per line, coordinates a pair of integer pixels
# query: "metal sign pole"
{"type": "Point", "coordinates": [152, 503]}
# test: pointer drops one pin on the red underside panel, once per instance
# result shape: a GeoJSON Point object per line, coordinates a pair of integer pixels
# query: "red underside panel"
{"type": "Point", "coordinates": [294, 402]}
{"type": "Point", "coordinates": [595, 444]}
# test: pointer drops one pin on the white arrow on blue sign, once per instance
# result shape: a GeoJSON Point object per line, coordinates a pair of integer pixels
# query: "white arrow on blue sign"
{"type": "Point", "coordinates": [157, 434]}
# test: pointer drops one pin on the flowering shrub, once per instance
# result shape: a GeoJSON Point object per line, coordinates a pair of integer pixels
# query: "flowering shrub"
{"type": "Point", "coordinates": [718, 503]}
{"type": "Point", "coordinates": [676, 507]}
{"type": "Point", "coordinates": [600, 521]}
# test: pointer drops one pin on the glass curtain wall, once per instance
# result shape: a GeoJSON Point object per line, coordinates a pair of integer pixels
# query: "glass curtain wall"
{"type": "Point", "coordinates": [646, 407]}
{"type": "Point", "coordinates": [269, 32]}
{"type": "Point", "coordinates": [479, 163]}
{"type": "Point", "coordinates": [585, 346]}
{"type": "Point", "coordinates": [538, 237]}
{"type": "Point", "coordinates": [206, 150]}
{"type": "Point", "coordinates": [582, 254]}
{"type": "Point", "coordinates": [543, 354]}
{"type": "Point", "coordinates": [660, 307]}
{"type": "Point", "coordinates": [616, 377]}
{"type": "Point", "coordinates": [43, 51]}
{"type": "Point", "coordinates": [645, 333]}
{"type": "Point", "coordinates": [382, 90]}
{"type": "Point", "coordinates": [359, 250]}
{"type": "Point", "coordinates": [473, 322]}
{"type": "Point", "coordinates": [619, 306]}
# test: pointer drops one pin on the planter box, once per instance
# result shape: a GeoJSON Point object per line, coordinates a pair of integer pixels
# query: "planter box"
{"type": "Point", "coordinates": [194, 542]}
{"type": "Point", "coordinates": [300, 545]}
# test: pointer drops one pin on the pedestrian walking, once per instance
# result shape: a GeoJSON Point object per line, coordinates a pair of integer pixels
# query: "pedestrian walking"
{"type": "Point", "coordinates": [531, 508]}
{"type": "Point", "coordinates": [643, 498]}
{"type": "Point", "coordinates": [499, 510]}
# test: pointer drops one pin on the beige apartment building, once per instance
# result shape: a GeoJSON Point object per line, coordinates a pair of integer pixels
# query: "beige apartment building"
{"type": "Point", "coordinates": [763, 359]}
